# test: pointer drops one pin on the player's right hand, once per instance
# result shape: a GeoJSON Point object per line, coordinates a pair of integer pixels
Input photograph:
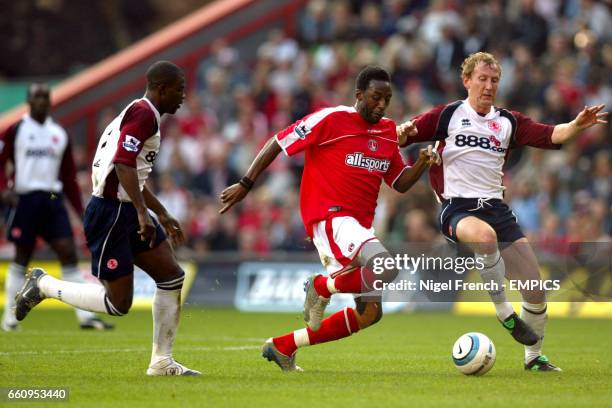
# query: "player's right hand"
{"type": "Point", "coordinates": [232, 195]}
{"type": "Point", "coordinates": [405, 131]}
{"type": "Point", "coordinates": [147, 230]}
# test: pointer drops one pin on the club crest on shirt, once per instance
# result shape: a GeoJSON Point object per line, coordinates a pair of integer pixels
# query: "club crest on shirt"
{"type": "Point", "coordinates": [494, 126]}
{"type": "Point", "coordinates": [372, 145]}
{"type": "Point", "coordinates": [16, 232]}
{"type": "Point", "coordinates": [131, 143]}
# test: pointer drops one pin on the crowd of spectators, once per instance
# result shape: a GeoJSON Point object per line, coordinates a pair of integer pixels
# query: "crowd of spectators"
{"type": "Point", "coordinates": [556, 57]}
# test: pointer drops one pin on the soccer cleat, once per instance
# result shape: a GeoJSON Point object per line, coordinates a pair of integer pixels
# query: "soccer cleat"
{"type": "Point", "coordinates": [29, 295]}
{"type": "Point", "coordinates": [314, 305]}
{"type": "Point", "coordinates": [169, 366]}
{"type": "Point", "coordinates": [9, 327]}
{"type": "Point", "coordinates": [541, 363]}
{"type": "Point", "coordinates": [96, 323]}
{"type": "Point", "coordinates": [285, 363]}
{"type": "Point", "coordinates": [520, 330]}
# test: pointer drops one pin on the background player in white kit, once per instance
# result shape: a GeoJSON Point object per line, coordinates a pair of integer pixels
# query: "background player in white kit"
{"type": "Point", "coordinates": [43, 174]}
{"type": "Point", "coordinates": [119, 229]}
{"type": "Point", "coordinates": [475, 137]}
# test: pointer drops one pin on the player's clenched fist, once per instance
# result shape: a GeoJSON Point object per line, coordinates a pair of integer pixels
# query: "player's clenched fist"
{"type": "Point", "coordinates": [404, 131]}
{"type": "Point", "coordinates": [232, 195]}
{"type": "Point", "coordinates": [430, 155]}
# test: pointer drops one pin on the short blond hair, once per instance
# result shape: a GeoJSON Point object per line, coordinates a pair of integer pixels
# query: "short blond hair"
{"type": "Point", "coordinates": [469, 64]}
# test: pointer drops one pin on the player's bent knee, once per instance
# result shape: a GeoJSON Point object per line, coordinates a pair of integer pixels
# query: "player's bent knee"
{"type": "Point", "coordinates": [370, 315]}
{"type": "Point", "coordinates": [124, 307]}
{"type": "Point", "coordinates": [118, 306]}
{"type": "Point", "coordinates": [381, 267]}
{"type": "Point", "coordinates": [476, 230]}
{"type": "Point", "coordinates": [173, 283]}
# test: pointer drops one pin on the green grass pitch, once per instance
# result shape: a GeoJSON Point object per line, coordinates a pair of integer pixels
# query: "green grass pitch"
{"type": "Point", "coordinates": [403, 361]}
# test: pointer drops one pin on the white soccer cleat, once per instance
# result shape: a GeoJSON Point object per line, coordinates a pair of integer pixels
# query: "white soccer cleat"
{"type": "Point", "coordinates": [271, 353]}
{"type": "Point", "coordinates": [314, 305]}
{"type": "Point", "coordinates": [169, 366]}
{"type": "Point", "coordinates": [9, 326]}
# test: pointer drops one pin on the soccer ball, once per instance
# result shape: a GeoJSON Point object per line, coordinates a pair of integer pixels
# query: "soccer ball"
{"type": "Point", "coordinates": [474, 354]}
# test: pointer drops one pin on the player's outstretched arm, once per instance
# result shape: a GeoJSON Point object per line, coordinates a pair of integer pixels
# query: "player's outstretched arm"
{"type": "Point", "coordinates": [128, 178]}
{"type": "Point", "coordinates": [171, 225]}
{"type": "Point", "coordinates": [410, 176]}
{"type": "Point", "coordinates": [236, 192]}
{"type": "Point", "coordinates": [589, 116]}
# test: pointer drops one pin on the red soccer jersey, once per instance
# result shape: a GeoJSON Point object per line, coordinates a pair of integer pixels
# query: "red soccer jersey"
{"type": "Point", "coordinates": [346, 159]}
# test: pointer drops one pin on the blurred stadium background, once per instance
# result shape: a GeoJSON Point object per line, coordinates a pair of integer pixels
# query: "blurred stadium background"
{"type": "Point", "coordinates": [253, 67]}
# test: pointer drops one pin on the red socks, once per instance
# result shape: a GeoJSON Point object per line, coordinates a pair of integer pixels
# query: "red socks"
{"type": "Point", "coordinates": [358, 281]}
{"type": "Point", "coordinates": [320, 285]}
{"type": "Point", "coordinates": [285, 344]}
{"type": "Point", "coordinates": [349, 282]}
{"type": "Point", "coordinates": [337, 326]}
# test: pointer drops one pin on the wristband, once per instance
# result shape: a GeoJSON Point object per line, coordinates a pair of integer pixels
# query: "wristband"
{"type": "Point", "coordinates": [246, 182]}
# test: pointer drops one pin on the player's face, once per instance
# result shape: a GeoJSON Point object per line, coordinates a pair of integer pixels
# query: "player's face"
{"type": "Point", "coordinates": [39, 99]}
{"type": "Point", "coordinates": [482, 86]}
{"type": "Point", "coordinates": [372, 103]}
{"type": "Point", "coordinates": [173, 95]}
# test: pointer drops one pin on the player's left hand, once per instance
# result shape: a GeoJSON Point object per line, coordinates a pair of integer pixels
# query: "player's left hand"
{"type": "Point", "coordinates": [430, 155]}
{"type": "Point", "coordinates": [590, 116]}
{"type": "Point", "coordinates": [173, 229]}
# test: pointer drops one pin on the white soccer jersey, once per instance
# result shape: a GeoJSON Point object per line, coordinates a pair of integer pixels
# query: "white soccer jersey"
{"type": "Point", "coordinates": [38, 153]}
{"type": "Point", "coordinates": [132, 138]}
{"type": "Point", "coordinates": [474, 153]}
{"type": "Point", "coordinates": [474, 147]}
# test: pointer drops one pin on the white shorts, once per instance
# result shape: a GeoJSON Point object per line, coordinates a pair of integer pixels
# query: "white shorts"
{"type": "Point", "coordinates": [338, 241]}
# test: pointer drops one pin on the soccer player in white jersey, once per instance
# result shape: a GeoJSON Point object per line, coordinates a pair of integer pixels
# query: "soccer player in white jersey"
{"type": "Point", "coordinates": [120, 231]}
{"type": "Point", "coordinates": [475, 137]}
{"type": "Point", "coordinates": [349, 152]}
{"type": "Point", "coordinates": [44, 172]}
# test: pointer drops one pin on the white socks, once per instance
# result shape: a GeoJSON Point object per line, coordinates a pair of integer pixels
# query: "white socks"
{"type": "Point", "coordinates": [14, 281]}
{"type": "Point", "coordinates": [166, 314]}
{"type": "Point", "coordinates": [494, 271]}
{"type": "Point", "coordinates": [331, 285]}
{"type": "Point", "coordinates": [71, 273]}
{"type": "Point", "coordinates": [86, 296]}
{"type": "Point", "coordinates": [301, 338]}
{"type": "Point", "coordinates": [534, 314]}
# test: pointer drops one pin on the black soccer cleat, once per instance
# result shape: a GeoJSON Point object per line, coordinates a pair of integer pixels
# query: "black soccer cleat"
{"type": "Point", "coordinates": [29, 295]}
{"type": "Point", "coordinates": [541, 363]}
{"type": "Point", "coordinates": [520, 330]}
{"type": "Point", "coordinates": [95, 323]}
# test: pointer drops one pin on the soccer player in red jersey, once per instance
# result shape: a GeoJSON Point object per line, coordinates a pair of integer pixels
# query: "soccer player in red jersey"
{"type": "Point", "coordinates": [475, 137]}
{"type": "Point", "coordinates": [349, 151]}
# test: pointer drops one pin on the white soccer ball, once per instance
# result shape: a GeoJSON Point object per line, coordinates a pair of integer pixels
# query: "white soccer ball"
{"type": "Point", "coordinates": [474, 354]}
